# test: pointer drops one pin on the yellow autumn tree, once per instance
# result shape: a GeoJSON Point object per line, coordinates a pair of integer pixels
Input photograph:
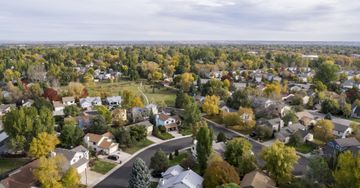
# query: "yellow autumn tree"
{"type": "Point", "coordinates": [71, 178]}
{"type": "Point", "coordinates": [76, 89]}
{"type": "Point", "coordinates": [48, 171]}
{"type": "Point", "coordinates": [186, 80]}
{"type": "Point", "coordinates": [137, 102]}
{"type": "Point", "coordinates": [226, 84]}
{"type": "Point", "coordinates": [323, 130]}
{"type": "Point", "coordinates": [247, 117]}
{"type": "Point", "coordinates": [43, 144]}
{"type": "Point", "coordinates": [273, 90]}
{"type": "Point", "coordinates": [211, 105]}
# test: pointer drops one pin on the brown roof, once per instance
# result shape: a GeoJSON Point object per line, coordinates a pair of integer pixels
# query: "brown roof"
{"type": "Point", "coordinates": [105, 144]}
{"type": "Point", "coordinates": [171, 125]}
{"type": "Point", "coordinates": [94, 137]}
{"type": "Point", "coordinates": [257, 179]}
{"type": "Point", "coordinates": [22, 177]}
{"type": "Point", "coordinates": [163, 117]}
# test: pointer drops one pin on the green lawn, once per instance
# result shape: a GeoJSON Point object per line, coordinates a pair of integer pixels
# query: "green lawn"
{"type": "Point", "coordinates": [304, 148]}
{"type": "Point", "coordinates": [164, 136]}
{"type": "Point", "coordinates": [216, 118]}
{"type": "Point", "coordinates": [158, 96]}
{"type": "Point", "coordinates": [153, 184]}
{"type": "Point", "coordinates": [102, 167]}
{"type": "Point", "coordinates": [7, 164]}
{"type": "Point", "coordinates": [177, 159]}
{"type": "Point", "coordinates": [139, 145]}
{"type": "Point", "coordinates": [185, 131]}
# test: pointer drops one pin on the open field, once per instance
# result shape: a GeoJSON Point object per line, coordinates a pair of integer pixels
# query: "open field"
{"type": "Point", "coordinates": [158, 96]}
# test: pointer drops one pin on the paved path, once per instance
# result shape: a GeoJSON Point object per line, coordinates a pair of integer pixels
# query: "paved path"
{"type": "Point", "coordinates": [120, 177]}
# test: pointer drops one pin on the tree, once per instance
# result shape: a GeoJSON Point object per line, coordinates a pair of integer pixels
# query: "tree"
{"type": "Point", "coordinates": [104, 112]}
{"type": "Point", "coordinates": [273, 90]}
{"type": "Point", "coordinates": [219, 173]}
{"type": "Point", "coordinates": [138, 132]}
{"type": "Point", "coordinates": [227, 84]}
{"type": "Point", "coordinates": [327, 72]}
{"type": "Point", "coordinates": [71, 178]}
{"type": "Point", "coordinates": [238, 153]}
{"type": "Point", "coordinates": [346, 110]}
{"type": "Point", "coordinates": [71, 135]}
{"type": "Point", "coordinates": [280, 161]}
{"type": "Point", "coordinates": [214, 157]}
{"type": "Point", "coordinates": [263, 132]}
{"type": "Point", "coordinates": [119, 117]}
{"type": "Point", "coordinates": [99, 125]}
{"type": "Point", "coordinates": [43, 144]}
{"type": "Point", "coordinates": [290, 116]}
{"type": "Point", "coordinates": [323, 130]}
{"type": "Point", "coordinates": [191, 115]}
{"type": "Point", "coordinates": [72, 110]}
{"type": "Point", "coordinates": [211, 105]}
{"type": "Point", "coordinates": [159, 162]}
{"type": "Point", "coordinates": [76, 89]}
{"type": "Point", "coordinates": [139, 175]}
{"type": "Point", "coordinates": [319, 86]}
{"type": "Point", "coordinates": [126, 96]}
{"type": "Point", "coordinates": [186, 80]}
{"type": "Point", "coordinates": [122, 136]}
{"type": "Point", "coordinates": [247, 118]}
{"type": "Point", "coordinates": [229, 185]}
{"type": "Point", "coordinates": [182, 99]}
{"type": "Point", "coordinates": [296, 139]}
{"type": "Point", "coordinates": [240, 98]}
{"type": "Point", "coordinates": [48, 172]}
{"type": "Point", "coordinates": [203, 146]}
{"type": "Point", "coordinates": [347, 170]}
{"type": "Point", "coordinates": [221, 137]}
{"type": "Point", "coordinates": [330, 106]}
{"type": "Point", "coordinates": [318, 172]}
{"type": "Point", "coordinates": [231, 118]}
{"type": "Point", "coordinates": [137, 102]}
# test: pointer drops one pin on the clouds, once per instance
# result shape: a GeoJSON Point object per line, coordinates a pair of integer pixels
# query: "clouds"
{"type": "Point", "coordinates": [180, 20]}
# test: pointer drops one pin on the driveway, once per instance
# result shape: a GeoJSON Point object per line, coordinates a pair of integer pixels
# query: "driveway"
{"type": "Point", "coordinates": [120, 177]}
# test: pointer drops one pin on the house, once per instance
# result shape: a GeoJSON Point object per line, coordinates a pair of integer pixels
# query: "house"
{"type": "Point", "coordinates": [137, 114]}
{"type": "Point", "coordinates": [355, 112]}
{"type": "Point", "coordinates": [152, 108]}
{"type": "Point", "coordinates": [58, 108]}
{"type": "Point", "coordinates": [306, 118]}
{"type": "Point", "coordinates": [257, 179]}
{"type": "Point", "coordinates": [77, 157]}
{"type": "Point", "coordinates": [149, 127]}
{"type": "Point", "coordinates": [286, 132]}
{"type": "Point", "coordinates": [23, 177]}
{"type": "Point", "coordinates": [218, 147]}
{"type": "Point", "coordinates": [305, 135]}
{"type": "Point", "coordinates": [5, 108]}
{"type": "Point", "coordinates": [275, 124]}
{"type": "Point", "coordinates": [89, 102]}
{"type": "Point", "coordinates": [27, 103]}
{"type": "Point", "coordinates": [101, 143]}
{"type": "Point", "coordinates": [341, 130]}
{"type": "Point", "coordinates": [225, 108]}
{"type": "Point", "coordinates": [67, 101]}
{"type": "Point", "coordinates": [113, 101]}
{"type": "Point", "coordinates": [169, 122]}
{"type": "Point", "coordinates": [341, 145]}
{"type": "Point", "coordinates": [177, 176]}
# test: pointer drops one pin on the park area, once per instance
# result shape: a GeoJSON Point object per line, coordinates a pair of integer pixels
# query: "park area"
{"type": "Point", "coordinates": [159, 95]}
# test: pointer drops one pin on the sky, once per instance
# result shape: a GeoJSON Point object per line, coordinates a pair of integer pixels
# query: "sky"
{"type": "Point", "coordinates": [127, 20]}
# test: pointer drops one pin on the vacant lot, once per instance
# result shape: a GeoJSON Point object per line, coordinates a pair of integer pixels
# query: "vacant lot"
{"type": "Point", "coordinates": [162, 95]}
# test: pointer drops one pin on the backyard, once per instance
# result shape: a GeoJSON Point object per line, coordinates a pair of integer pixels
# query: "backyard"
{"type": "Point", "coordinates": [160, 95]}
{"type": "Point", "coordinates": [7, 164]}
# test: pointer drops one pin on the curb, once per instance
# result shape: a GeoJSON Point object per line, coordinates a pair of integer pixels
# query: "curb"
{"type": "Point", "coordinates": [132, 156]}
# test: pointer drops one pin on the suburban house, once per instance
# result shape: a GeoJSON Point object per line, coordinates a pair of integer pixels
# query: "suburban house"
{"type": "Point", "coordinates": [67, 101]}
{"type": "Point", "coordinates": [355, 112]}
{"type": "Point", "coordinates": [340, 145]}
{"type": "Point", "coordinates": [305, 135]}
{"type": "Point", "coordinates": [275, 124]}
{"type": "Point", "coordinates": [5, 108]}
{"type": "Point", "coordinates": [137, 114]}
{"type": "Point", "coordinates": [152, 108]}
{"type": "Point", "coordinates": [286, 132]}
{"type": "Point", "coordinates": [89, 102]}
{"type": "Point", "coordinates": [113, 101]}
{"type": "Point", "coordinates": [77, 157]}
{"type": "Point", "coordinates": [341, 131]}
{"type": "Point", "coordinates": [101, 143]}
{"type": "Point", "coordinates": [149, 127]}
{"type": "Point", "coordinates": [305, 118]}
{"type": "Point", "coordinates": [218, 147]}
{"type": "Point", "coordinates": [58, 108]}
{"type": "Point", "coordinates": [169, 122]}
{"type": "Point", "coordinates": [257, 179]}
{"type": "Point", "coordinates": [22, 177]}
{"type": "Point", "coordinates": [177, 176]}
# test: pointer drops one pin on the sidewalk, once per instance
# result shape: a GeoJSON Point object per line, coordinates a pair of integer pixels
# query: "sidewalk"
{"type": "Point", "coordinates": [131, 157]}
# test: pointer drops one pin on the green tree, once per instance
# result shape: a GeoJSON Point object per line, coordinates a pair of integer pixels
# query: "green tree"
{"type": "Point", "coordinates": [318, 172]}
{"type": "Point", "coordinates": [327, 72]}
{"type": "Point", "coordinates": [347, 170]}
{"type": "Point", "coordinates": [238, 153]}
{"type": "Point", "coordinates": [290, 116]}
{"type": "Point", "coordinates": [122, 136]}
{"type": "Point", "coordinates": [280, 161]}
{"type": "Point", "coordinates": [139, 175]}
{"type": "Point", "coordinates": [99, 125]}
{"type": "Point", "coordinates": [323, 130]}
{"type": "Point", "coordinates": [204, 146]}
{"type": "Point", "coordinates": [71, 178]}
{"type": "Point", "coordinates": [138, 132]}
{"type": "Point", "coordinates": [296, 139]}
{"type": "Point", "coordinates": [71, 135]}
{"type": "Point", "coordinates": [191, 115]}
{"type": "Point", "coordinates": [330, 106]}
{"type": "Point", "coordinates": [182, 99]}
{"type": "Point", "coordinates": [104, 112]}
{"type": "Point", "coordinates": [346, 110]}
{"type": "Point", "coordinates": [219, 173]}
{"type": "Point", "coordinates": [221, 137]}
{"type": "Point", "coordinates": [240, 98]}
{"type": "Point", "coordinates": [159, 162]}
{"type": "Point", "coordinates": [229, 185]}
{"type": "Point", "coordinates": [72, 110]}
{"type": "Point", "coordinates": [43, 144]}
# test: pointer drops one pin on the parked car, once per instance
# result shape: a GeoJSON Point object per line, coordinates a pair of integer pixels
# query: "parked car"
{"type": "Point", "coordinates": [113, 157]}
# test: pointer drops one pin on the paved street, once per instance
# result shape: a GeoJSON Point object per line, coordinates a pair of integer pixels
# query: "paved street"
{"type": "Point", "coordinates": [120, 177]}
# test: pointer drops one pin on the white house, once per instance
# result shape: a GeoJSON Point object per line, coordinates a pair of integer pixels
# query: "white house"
{"type": "Point", "coordinates": [275, 124]}
{"type": "Point", "coordinates": [170, 123]}
{"type": "Point", "coordinates": [90, 102]}
{"type": "Point", "coordinates": [341, 131]}
{"type": "Point", "coordinates": [113, 101]}
{"type": "Point", "coordinates": [77, 157]}
{"type": "Point", "coordinates": [67, 101]}
{"type": "Point", "coordinates": [5, 108]}
{"type": "Point", "coordinates": [58, 108]}
{"type": "Point", "coordinates": [101, 143]}
{"type": "Point", "coordinates": [177, 177]}
{"type": "Point", "coordinates": [149, 127]}
{"type": "Point", "coordinates": [152, 108]}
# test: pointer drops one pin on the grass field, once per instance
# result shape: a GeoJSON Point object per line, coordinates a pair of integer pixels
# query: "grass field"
{"type": "Point", "coordinates": [102, 167]}
{"type": "Point", "coordinates": [139, 145]}
{"type": "Point", "coordinates": [162, 95]}
{"type": "Point", "coordinates": [7, 164]}
{"type": "Point", "coordinates": [164, 136]}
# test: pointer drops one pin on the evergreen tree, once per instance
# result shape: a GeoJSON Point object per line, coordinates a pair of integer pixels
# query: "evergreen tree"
{"type": "Point", "coordinates": [159, 162]}
{"type": "Point", "coordinates": [139, 175]}
{"type": "Point", "coordinates": [203, 146]}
